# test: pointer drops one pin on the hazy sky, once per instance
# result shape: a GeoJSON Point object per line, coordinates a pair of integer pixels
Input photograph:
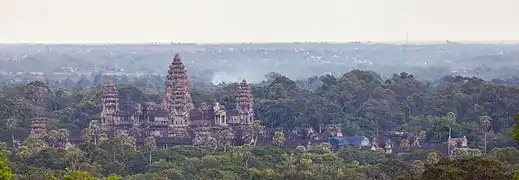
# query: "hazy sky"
{"type": "Point", "coordinates": [256, 21]}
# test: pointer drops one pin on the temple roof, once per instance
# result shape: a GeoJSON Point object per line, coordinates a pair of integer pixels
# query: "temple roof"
{"type": "Point", "coordinates": [348, 141]}
{"type": "Point", "coordinates": [196, 114]}
{"type": "Point", "coordinates": [161, 113]}
{"type": "Point", "coordinates": [243, 82]}
{"type": "Point", "coordinates": [232, 112]}
{"type": "Point", "coordinates": [124, 113]}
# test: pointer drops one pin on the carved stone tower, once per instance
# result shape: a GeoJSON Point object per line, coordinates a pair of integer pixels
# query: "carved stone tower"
{"type": "Point", "coordinates": [244, 103]}
{"type": "Point", "coordinates": [177, 99]}
{"type": "Point", "coordinates": [39, 127]}
{"type": "Point", "coordinates": [110, 105]}
{"type": "Point", "coordinates": [137, 112]}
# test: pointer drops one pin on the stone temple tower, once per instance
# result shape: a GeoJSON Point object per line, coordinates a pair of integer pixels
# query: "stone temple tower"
{"type": "Point", "coordinates": [39, 127]}
{"type": "Point", "coordinates": [177, 99]}
{"type": "Point", "coordinates": [110, 105]}
{"type": "Point", "coordinates": [244, 103]}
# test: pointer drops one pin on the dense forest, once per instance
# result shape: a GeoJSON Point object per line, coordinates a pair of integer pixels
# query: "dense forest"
{"type": "Point", "coordinates": [362, 101]}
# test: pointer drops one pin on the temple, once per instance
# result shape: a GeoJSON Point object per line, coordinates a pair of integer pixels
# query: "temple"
{"type": "Point", "coordinates": [111, 116]}
{"type": "Point", "coordinates": [39, 127]}
{"type": "Point", "coordinates": [177, 121]}
{"type": "Point", "coordinates": [176, 118]}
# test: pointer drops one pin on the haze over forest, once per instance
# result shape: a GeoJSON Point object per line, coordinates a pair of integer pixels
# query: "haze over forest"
{"type": "Point", "coordinates": [232, 62]}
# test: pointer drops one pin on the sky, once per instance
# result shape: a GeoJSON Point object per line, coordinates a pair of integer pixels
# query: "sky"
{"type": "Point", "coordinates": [220, 21]}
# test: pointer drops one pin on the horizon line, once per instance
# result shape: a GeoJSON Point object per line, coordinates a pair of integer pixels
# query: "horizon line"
{"type": "Point", "coordinates": [416, 42]}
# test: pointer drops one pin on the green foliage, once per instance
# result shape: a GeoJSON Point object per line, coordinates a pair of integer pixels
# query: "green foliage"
{"type": "Point", "coordinates": [278, 139]}
{"type": "Point", "coordinates": [5, 171]}
{"type": "Point", "coordinates": [113, 177]}
{"type": "Point", "coordinates": [515, 129]}
{"type": "Point", "coordinates": [360, 100]}
{"type": "Point", "coordinates": [473, 168]}
{"type": "Point", "coordinates": [77, 175]}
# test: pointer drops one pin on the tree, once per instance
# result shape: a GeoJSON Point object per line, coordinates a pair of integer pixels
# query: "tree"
{"type": "Point", "coordinates": [53, 138]}
{"type": "Point", "coordinates": [150, 145]}
{"type": "Point", "coordinates": [404, 144]}
{"type": "Point", "coordinates": [4, 148]}
{"type": "Point", "coordinates": [5, 171]}
{"type": "Point", "coordinates": [417, 168]}
{"type": "Point", "coordinates": [300, 149]}
{"type": "Point", "coordinates": [466, 152]}
{"type": "Point", "coordinates": [243, 153]}
{"type": "Point", "coordinates": [11, 123]}
{"type": "Point", "coordinates": [58, 137]}
{"type": "Point", "coordinates": [468, 168]}
{"type": "Point", "coordinates": [211, 144]}
{"type": "Point", "coordinates": [321, 148]}
{"type": "Point", "coordinates": [451, 118]}
{"type": "Point", "coordinates": [93, 130]}
{"type": "Point", "coordinates": [112, 177]}
{"type": "Point", "coordinates": [432, 158]}
{"type": "Point", "coordinates": [515, 129]}
{"type": "Point", "coordinates": [77, 175]}
{"type": "Point", "coordinates": [257, 130]}
{"type": "Point", "coordinates": [120, 143]}
{"type": "Point", "coordinates": [484, 123]}
{"type": "Point", "coordinates": [30, 147]}
{"type": "Point", "coordinates": [515, 135]}
{"type": "Point", "coordinates": [278, 139]}
{"type": "Point", "coordinates": [224, 138]}
{"type": "Point", "coordinates": [74, 156]}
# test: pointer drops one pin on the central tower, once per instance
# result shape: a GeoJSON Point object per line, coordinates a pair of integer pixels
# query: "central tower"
{"type": "Point", "coordinates": [110, 105]}
{"type": "Point", "coordinates": [244, 103]}
{"type": "Point", "coordinates": [177, 99]}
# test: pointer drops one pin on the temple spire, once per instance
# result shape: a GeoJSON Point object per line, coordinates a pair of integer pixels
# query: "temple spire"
{"type": "Point", "coordinates": [177, 99]}
{"type": "Point", "coordinates": [109, 80]}
{"type": "Point", "coordinates": [244, 102]}
{"type": "Point", "coordinates": [244, 97]}
{"type": "Point", "coordinates": [39, 127]}
{"type": "Point", "coordinates": [109, 104]}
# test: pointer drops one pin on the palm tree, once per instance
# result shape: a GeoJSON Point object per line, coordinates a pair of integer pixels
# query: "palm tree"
{"type": "Point", "coordinates": [258, 130]}
{"type": "Point", "coordinates": [203, 107]}
{"type": "Point", "coordinates": [243, 153]}
{"type": "Point", "coordinates": [11, 123]}
{"type": "Point", "coordinates": [53, 138]}
{"type": "Point", "coordinates": [451, 118]}
{"type": "Point", "coordinates": [279, 138]}
{"type": "Point", "coordinates": [63, 137]}
{"type": "Point", "coordinates": [74, 156]}
{"type": "Point", "coordinates": [485, 123]}
{"type": "Point", "coordinates": [150, 145]}
{"type": "Point", "coordinates": [58, 137]}
{"type": "Point", "coordinates": [93, 130]}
